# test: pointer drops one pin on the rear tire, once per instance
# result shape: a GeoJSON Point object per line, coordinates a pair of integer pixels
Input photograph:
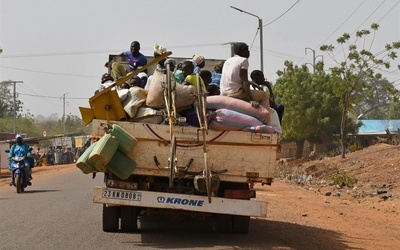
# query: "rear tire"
{"type": "Point", "coordinates": [18, 184]}
{"type": "Point", "coordinates": [240, 224]}
{"type": "Point", "coordinates": [223, 223]}
{"type": "Point", "coordinates": [110, 218]}
{"type": "Point", "coordinates": [129, 219]}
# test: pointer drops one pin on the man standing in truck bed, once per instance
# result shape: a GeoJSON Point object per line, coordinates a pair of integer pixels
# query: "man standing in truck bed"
{"type": "Point", "coordinates": [135, 58]}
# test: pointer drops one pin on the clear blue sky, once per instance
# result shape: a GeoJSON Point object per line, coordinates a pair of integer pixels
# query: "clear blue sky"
{"type": "Point", "coordinates": [60, 47]}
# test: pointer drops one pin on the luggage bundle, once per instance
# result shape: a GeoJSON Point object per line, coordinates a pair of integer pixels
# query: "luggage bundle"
{"type": "Point", "coordinates": [110, 153]}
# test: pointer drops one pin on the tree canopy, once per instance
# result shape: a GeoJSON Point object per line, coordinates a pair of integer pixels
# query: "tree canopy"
{"type": "Point", "coordinates": [359, 66]}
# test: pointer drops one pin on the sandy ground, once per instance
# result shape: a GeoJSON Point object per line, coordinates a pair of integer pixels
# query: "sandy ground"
{"type": "Point", "coordinates": [363, 216]}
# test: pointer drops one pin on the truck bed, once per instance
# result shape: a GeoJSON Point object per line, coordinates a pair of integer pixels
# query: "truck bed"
{"type": "Point", "coordinates": [247, 157]}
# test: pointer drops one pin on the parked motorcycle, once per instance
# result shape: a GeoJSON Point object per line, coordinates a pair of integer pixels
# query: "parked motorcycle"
{"type": "Point", "coordinates": [19, 170]}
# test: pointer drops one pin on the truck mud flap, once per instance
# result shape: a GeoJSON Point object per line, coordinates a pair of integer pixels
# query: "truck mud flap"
{"type": "Point", "coordinates": [195, 203]}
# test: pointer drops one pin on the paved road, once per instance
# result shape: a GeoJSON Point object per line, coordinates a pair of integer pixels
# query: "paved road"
{"type": "Point", "coordinates": [57, 213]}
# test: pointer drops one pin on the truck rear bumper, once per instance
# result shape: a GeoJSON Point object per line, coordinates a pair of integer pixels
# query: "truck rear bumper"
{"type": "Point", "coordinates": [186, 202]}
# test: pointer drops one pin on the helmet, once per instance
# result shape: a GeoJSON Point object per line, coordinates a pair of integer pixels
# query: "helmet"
{"type": "Point", "coordinates": [18, 136]}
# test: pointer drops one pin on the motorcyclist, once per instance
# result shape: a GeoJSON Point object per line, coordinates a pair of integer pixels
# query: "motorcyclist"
{"type": "Point", "coordinates": [20, 149]}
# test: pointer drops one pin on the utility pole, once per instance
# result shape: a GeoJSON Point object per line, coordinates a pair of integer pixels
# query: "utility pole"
{"type": "Point", "coordinates": [15, 104]}
{"type": "Point", "coordinates": [63, 117]}
{"type": "Point", "coordinates": [314, 57]}
{"type": "Point", "coordinates": [260, 27]}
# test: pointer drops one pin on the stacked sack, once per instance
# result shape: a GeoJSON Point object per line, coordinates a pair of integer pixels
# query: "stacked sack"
{"type": "Point", "coordinates": [238, 115]}
{"type": "Point", "coordinates": [110, 153]}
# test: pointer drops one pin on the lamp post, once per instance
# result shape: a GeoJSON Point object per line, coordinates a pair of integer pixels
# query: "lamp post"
{"type": "Point", "coordinates": [260, 27]}
{"type": "Point", "coordinates": [314, 57]}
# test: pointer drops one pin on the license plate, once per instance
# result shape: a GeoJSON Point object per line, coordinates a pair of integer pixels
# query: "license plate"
{"type": "Point", "coordinates": [122, 195]}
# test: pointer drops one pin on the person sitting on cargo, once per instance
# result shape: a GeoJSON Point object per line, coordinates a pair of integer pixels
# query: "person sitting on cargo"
{"type": "Point", "coordinates": [259, 82]}
{"type": "Point", "coordinates": [234, 82]}
{"type": "Point", "coordinates": [143, 76]}
{"type": "Point", "coordinates": [180, 78]}
{"type": "Point", "coordinates": [212, 89]}
{"type": "Point", "coordinates": [200, 62]}
{"type": "Point", "coordinates": [136, 82]}
{"type": "Point", "coordinates": [106, 81]}
{"type": "Point", "coordinates": [190, 76]}
{"type": "Point", "coordinates": [135, 59]}
{"type": "Point", "coordinates": [216, 76]}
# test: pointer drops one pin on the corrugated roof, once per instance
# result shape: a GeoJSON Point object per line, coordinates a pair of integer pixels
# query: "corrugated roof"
{"type": "Point", "coordinates": [378, 126]}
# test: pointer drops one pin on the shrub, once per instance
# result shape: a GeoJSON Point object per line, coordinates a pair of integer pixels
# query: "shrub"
{"type": "Point", "coordinates": [342, 179]}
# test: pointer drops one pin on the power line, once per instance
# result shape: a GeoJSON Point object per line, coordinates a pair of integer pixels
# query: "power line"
{"type": "Point", "coordinates": [342, 23]}
{"type": "Point", "coordinates": [366, 20]}
{"type": "Point", "coordinates": [46, 72]}
{"type": "Point", "coordinates": [369, 16]}
{"type": "Point", "coordinates": [111, 51]}
{"type": "Point", "coordinates": [55, 97]}
{"type": "Point", "coordinates": [336, 29]}
{"type": "Point", "coordinates": [282, 14]}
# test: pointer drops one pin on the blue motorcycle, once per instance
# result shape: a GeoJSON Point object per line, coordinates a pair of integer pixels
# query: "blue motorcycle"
{"type": "Point", "coordinates": [19, 170]}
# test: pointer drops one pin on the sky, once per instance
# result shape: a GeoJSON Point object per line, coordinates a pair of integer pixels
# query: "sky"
{"type": "Point", "coordinates": [57, 48]}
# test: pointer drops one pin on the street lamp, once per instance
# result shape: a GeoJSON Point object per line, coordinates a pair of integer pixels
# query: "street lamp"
{"type": "Point", "coordinates": [314, 57]}
{"type": "Point", "coordinates": [260, 27]}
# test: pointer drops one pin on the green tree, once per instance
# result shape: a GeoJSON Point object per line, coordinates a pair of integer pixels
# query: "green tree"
{"type": "Point", "coordinates": [73, 124]}
{"type": "Point", "coordinates": [349, 75]}
{"type": "Point", "coordinates": [24, 125]}
{"type": "Point", "coordinates": [7, 100]}
{"type": "Point", "coordinates": [311, 110]}
{"type": "Point", "coordinates": [394, 110]}
{"type": "Point", "coordinates": [375, 103]}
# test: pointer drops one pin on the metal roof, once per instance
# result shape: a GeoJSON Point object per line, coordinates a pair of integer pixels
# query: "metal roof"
{"type": "Point", "coordinates": [373, 127]}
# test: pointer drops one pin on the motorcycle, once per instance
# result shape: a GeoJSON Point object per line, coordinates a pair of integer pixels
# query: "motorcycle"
{"type": "Point", "coordinates": [19, 171]}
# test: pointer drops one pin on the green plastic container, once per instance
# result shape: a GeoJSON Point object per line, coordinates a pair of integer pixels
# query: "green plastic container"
{"type": "Point", "coordinates": [121, 165]}
{"type": "Point", "coordinates": [103, 151]}
{"type": "Point", "coordinates": [83, 162]}
{"type": "Point", "coordinates": [126, 141]}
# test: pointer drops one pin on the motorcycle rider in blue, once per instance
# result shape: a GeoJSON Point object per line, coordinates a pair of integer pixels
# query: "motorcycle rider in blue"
{"type": "Point", "coordinates": [20, 149]}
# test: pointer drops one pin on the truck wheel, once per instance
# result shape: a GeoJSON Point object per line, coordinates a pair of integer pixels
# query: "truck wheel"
{"type": "Point", "coordinates": [129, 219]}
{"type": "Point", "coordinates": [240, 224]}
{"type": "Point", "coordinates": [223, 223]}
{"type": "Point", "coordinates": [110, 218]}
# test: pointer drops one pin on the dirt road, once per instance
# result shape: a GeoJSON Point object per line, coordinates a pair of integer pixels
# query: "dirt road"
{"type": "Point", "coordinates": [308, 219]}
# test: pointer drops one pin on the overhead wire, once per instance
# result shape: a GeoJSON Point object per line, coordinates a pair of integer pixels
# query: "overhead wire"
{"type": "Point", "coordinates": [282, 14]}
{"type": "Point", "coordinates": [336, 29]}
{"type": "Point", "coordinates": [55, 97]}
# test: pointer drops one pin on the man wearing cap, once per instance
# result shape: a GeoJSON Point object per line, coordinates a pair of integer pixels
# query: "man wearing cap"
{"type": "Point", "coordinates": [234, 82]}
{"type": "Point", "coordinates": [135, 58]}
{"type": "Point", "coordinates": [20, 149]}
{"type": "Point", "coordinates": [200, 63]}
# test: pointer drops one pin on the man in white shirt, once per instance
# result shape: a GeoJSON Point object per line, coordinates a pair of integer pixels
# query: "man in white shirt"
{"type": "Point", "coordinates": [234, 82]}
